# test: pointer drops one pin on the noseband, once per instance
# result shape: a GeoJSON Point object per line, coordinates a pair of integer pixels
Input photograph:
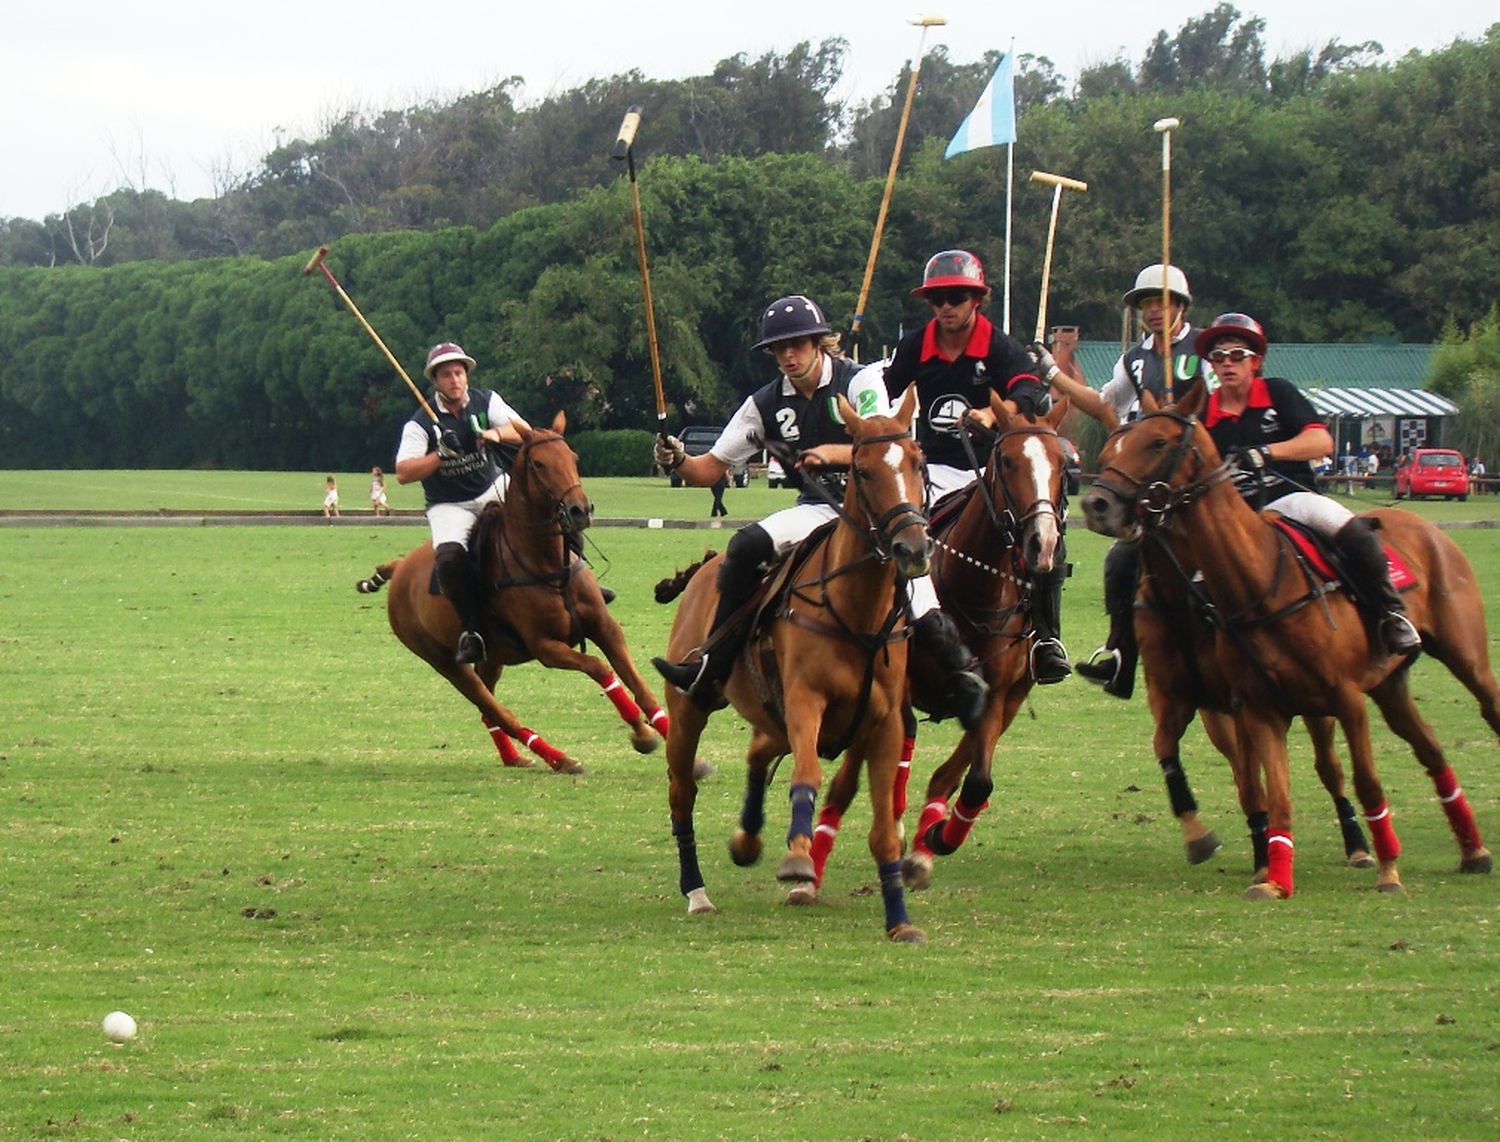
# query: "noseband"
{"type": "Point", "coordinates": [533, 477]}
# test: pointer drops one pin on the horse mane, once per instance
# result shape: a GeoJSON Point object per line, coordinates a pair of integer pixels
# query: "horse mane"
{"type": "Point", "coordinates": [669, 588]}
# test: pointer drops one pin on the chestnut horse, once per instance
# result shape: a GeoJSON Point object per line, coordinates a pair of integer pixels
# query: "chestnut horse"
{"type": "Point", "coordinates": [824, 670]}
{"type": "Point", "coordinates": [542, 603]}
{"type": "Point", "coordinates": [1009, 525]}
{"type": "Point", "coordinates": [1282, 645]}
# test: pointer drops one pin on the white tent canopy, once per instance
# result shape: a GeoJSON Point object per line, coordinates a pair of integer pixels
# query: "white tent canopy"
{"type": "Point", "coordinates": [1380, 402]}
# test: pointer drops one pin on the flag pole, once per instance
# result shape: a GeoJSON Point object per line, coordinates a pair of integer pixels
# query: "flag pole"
{"type": "Point", "coordinates": [923, 22]}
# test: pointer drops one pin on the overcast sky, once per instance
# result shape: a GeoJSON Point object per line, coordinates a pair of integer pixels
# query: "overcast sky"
{"type": "Point", "coordinates": [163, 93]}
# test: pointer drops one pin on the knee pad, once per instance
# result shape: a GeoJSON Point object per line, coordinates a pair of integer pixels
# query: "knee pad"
{"type": "Point", "coordinates": [748, 551]}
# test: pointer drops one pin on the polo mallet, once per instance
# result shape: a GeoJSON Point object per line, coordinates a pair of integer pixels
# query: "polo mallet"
{"type": "Point", "coordinates": [923, 22]}
{"type": "Point", "coordinates": [1165, 127]}
{"type": "Point", "coordinates": [316, 262]}
{"type": "Point", "coordinates": [1059, 183]}
{"type": "Point", "coordinates": [625, 149]}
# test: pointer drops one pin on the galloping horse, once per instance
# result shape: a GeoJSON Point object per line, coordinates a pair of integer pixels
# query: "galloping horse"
{"type": "Point", "coordinates": [1281, 643]}
{"type": "Point", "coordinates": [1008, 523]}
{"type": "Point", "coordinates": [542, 603]}
{"type": "Point", "coordinates": [825, 669]}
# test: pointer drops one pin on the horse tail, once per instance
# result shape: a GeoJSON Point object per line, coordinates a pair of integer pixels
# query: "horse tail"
{"type": "Point", "coordinates": [669, 589]}
{"type": "Point", "coordinates": [378, 579]}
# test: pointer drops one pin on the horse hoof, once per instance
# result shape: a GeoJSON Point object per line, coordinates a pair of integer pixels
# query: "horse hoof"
{"type": "Point", "coordinates": [801, 895]}
{"type": "Point", "coordinates": [702, 769]}
{"type": "Point", "coordinates": [699, 904]}
{"type": "Point", "coordinates": [907, 934]}
{"type": "Point", "coordinates": [521, 763]}
{"type": "Point", "coordinates": [797, 868]}
{"type": "Point", "coordinates": [1199, 849]}
{"type": "Point", "coordinates": [645, 742]}
{"type": "Point", "coordinates": [1479, 861]}
{"type": "Point", "coordinates": [570, 767]}
{"type": "Point", "coordinates": [744, 849]}
{"type": "Point", "coordinates": [1265, 891]}
{"type": "Point", "coordinates": [916, 871]}
{"type": "Point", "coordinates": [1360, 859]}
{"type": "Point", "coordinates": [1395, 887]}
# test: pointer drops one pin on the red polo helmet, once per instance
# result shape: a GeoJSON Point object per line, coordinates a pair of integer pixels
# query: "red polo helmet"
{"type": "Point", "coordinates": [1240, 325]}
{"type": "Point", "coordinates": [953, 268]}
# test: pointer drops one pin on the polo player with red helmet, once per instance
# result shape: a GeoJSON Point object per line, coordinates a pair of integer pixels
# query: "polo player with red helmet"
{"type": "Point", "coordinates": [460, 475]}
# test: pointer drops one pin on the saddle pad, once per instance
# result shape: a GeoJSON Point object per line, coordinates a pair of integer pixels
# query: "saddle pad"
{"type": "Point", "coordinates": [1313, 550]}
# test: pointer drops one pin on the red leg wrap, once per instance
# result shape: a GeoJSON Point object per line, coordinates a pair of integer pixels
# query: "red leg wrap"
{"type": "Point", "coordinates": [624, 703]}
{"type": "Point", "coordinates": [541, 747]}
{"type": "Point", "coordinates": [1456, 806]}
{"type": "Point", "coordinates": [1383, 832]}
{"type": "Point", "coordinates": [509, 755]}
{"type": "Point", "coordinates": [932, 812]}
{"type": "Point", "coordinates": [1279, 858]}
{"type": "Point", "coordinates": [898, 793]}
{"type": "Point", "coordinates": [956, 828]}
{"type": "Point", "coordinates": [659, 720]}
{"type": "Point", "coordinates": [823, 837]}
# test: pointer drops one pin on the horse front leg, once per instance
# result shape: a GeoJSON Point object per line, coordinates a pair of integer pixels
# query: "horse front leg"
{"type": "Point", "coordinates": [644, 714]}
{"type": "Point", "coordinates": [1224, 733]}
{"type": "Point", "coordinates": [882, 748]}
{"type": "Point", "coordinates": [745, 845]}
{"type": "Point", "coordinates": [682, 796]}
{"type": "Point", "coordinates": [555, 654]}
{"type": "Point", "coordinates": [1263, 741]}
{"type": "Point", "coordinates": [805, 709]}
{"type": "Point", "coordinates": [1331, 773]}
{"type": "Point", "coordinates": [1172, 715]}
{"type": "Point", "coordinates": [1401, 715]}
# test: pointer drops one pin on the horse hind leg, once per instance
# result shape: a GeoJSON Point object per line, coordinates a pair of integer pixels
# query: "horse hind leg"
{"type": "Point", "coordinates": [1331, 773]}
{"type": "Point", "coordinates": [1400, 712]}
{"type": "Point", "coordinates": [378, 578]}
{"type": "Point", "coordinates": [682, 796]}
{"type": "Point", "coordinates": [745, 846]}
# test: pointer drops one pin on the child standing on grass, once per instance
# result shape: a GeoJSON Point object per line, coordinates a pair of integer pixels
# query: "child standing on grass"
{"type": "Point", "coordinates": [330, 498]}
{"type": "Point", "coordinates": [378, 503]}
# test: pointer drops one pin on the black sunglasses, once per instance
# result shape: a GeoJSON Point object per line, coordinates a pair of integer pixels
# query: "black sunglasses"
{"type": "Point", "coordinates": [953, 296]}
{"type": "Point", "coordinates": [1219, 356]}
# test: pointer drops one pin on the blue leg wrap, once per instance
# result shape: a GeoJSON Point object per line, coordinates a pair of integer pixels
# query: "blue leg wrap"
{"type": "Point", "coordinates": [1178, 791]}
{"type": "Point", "coordinates": [893, 891]}
{"type": "Point", "coordinates": [804, 801]}
{"type": "Point", "coordinates": [753, 811]}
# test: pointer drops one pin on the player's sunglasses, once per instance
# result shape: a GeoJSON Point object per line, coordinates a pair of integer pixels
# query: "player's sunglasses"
{"type": "Point", "coordinates": [1219, 356]}
{"type": "Point", "coordinates": [954, 297]}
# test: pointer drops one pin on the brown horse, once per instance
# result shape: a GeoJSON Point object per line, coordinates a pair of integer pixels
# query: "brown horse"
{"type": "Point", "coordinates": [1009, 524]}
{"type": "Point", "coordinates": [542, 603]}
{"type": "Point", "coordinates": [824, 671]}
{"type": "Point", "coordinates": [1283, 645]}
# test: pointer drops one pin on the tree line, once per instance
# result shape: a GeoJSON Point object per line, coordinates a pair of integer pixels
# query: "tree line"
{"type": "Point", "coordinates": [1334, 197]}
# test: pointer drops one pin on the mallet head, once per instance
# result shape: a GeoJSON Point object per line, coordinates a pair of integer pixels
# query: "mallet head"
{"type": "Point", "coordinates": [628, 127]}
{"type": "Point", "coordinates": [1058, 180]}
{"type": "Point", "coordinates": [927, 21]}
{"type": "Point", "coordinates": [1166, 125]}
{"type": "Point", "coordinates": [315, 261]}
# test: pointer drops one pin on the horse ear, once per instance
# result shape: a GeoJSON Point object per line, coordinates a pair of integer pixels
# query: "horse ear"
{"type": "Point", "coordinates": [1149, 402]}
{"type": "Point", "coordinates": [1002, 409]}
{"type": "Point", "coordinates": [1060, 409]}
{"type": "Point", "coordinates": [851, 419]}
{"type": "Point", "coordinates": [908, 406]}
{"type": "Point", "coordinates": [560, 421]}
{"type": "Point", "coordinates": [1191, 402]}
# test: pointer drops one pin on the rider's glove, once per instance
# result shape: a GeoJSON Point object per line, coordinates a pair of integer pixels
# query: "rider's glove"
{"type": "Point", "coordinates": [1046, 365]}
{"type": "Point", "coordinates": [1029, 395]}
{"type": "Point", "coordinates": [449, 446]}
{"type": "Point", "coordinates": [1249, 470]}
{"type": "Point", "coordinates": [668, 453]}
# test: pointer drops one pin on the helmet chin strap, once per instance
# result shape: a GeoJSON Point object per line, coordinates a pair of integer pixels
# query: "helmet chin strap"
{"type": "Point", "coordinates": [815, 367]}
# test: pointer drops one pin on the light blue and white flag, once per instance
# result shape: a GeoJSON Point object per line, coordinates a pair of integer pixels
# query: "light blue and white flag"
{"type": "Point", "coordinates": [993, 120]}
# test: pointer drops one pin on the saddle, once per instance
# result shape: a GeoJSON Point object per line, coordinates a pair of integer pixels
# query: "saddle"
{"type": "Point", "coordinates": [1322, 557]}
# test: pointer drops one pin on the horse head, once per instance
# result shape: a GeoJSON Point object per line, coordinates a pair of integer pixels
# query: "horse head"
{"type": "Point", "coordinates": [886, 485]}
{"type": "Point", "coordinates": [1152, 466]}
{"type": "Point", "coordinates": [544, 479]}
{"type": "Point", "coordinates": [1026, 478]}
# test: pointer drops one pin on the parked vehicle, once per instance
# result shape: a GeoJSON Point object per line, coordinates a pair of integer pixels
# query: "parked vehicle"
{"type": "Point", "coordinates": [1432, 472]}
{"type": "Point", "coordinates": [775, 474]}
{"type": "Point", "coordinates": [698, 439]}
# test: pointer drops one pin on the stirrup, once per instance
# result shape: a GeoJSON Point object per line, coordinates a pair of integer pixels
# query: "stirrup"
{"type": "Point", "coordinates": [1049, 661]}
{"type": "Point", "coordinates": [1103, 666]}
{"type": "Point", "coordinates": [471, 649]}
{"type": "Point", "coordinates": [1398, 634]}
{"type": "Point", "coordinates": [690, 678]}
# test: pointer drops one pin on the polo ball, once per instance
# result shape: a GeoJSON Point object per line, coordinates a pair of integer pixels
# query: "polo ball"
{"type": "Point", "coordinates": [118, 1027]}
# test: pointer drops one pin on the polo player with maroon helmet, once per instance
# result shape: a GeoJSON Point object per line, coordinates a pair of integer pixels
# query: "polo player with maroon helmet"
{"type": "Point", "coordinates": [956, 359]}
{"type": "Point", "coordinates": [460, 477]}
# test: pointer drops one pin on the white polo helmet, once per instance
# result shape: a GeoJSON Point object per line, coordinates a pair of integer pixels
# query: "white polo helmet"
{"type": "Point", "coordinates": [1148, 282]}
{"type": "Point", "coordinates": [446, 351]}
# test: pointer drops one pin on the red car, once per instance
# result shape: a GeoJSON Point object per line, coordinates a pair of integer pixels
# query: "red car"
{"type": "Point", "coordinates": [1432, 472]}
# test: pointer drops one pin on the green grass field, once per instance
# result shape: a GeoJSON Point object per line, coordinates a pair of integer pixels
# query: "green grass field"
{"type": "Point", "coordinates": [235, 807]}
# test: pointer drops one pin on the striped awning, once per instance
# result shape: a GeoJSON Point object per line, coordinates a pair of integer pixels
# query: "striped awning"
{"type": "Point", "coordinates": [1380, 402]}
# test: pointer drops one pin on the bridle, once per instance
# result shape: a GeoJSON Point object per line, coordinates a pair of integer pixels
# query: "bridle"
{"type": "Point", "coordinates": [881, 531]}
{"type": "Point", "coordinates": [1013, 522]}
{"type": "Point", "coordinates": [1154, 495]}
{"type": "Point", "coordinates": [526, 466]}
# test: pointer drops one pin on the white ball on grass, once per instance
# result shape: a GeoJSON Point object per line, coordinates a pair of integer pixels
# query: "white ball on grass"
{"type": "Point", "coordinates": [118, 1027]}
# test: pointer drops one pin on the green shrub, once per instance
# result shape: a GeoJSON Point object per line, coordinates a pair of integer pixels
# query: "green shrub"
{"type": "Point", "coordinates": [613, 452]}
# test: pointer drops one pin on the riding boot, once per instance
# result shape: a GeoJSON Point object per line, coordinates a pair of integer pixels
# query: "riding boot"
{"type": "Point", "coordinates": [1049, 658]}
{"type": "Point", "coordinates": [935, 637]}
{"type": "Point", "coordinates": [1113, 664]}
{"type": "Point", "coordinates": [460, 584]}
{"type": "Point", "coordinates": [702, 679]}
{"type": "Point", "coordinates": [1369, 580]}
{"type": "Point", "coordinates": [573, 543]}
